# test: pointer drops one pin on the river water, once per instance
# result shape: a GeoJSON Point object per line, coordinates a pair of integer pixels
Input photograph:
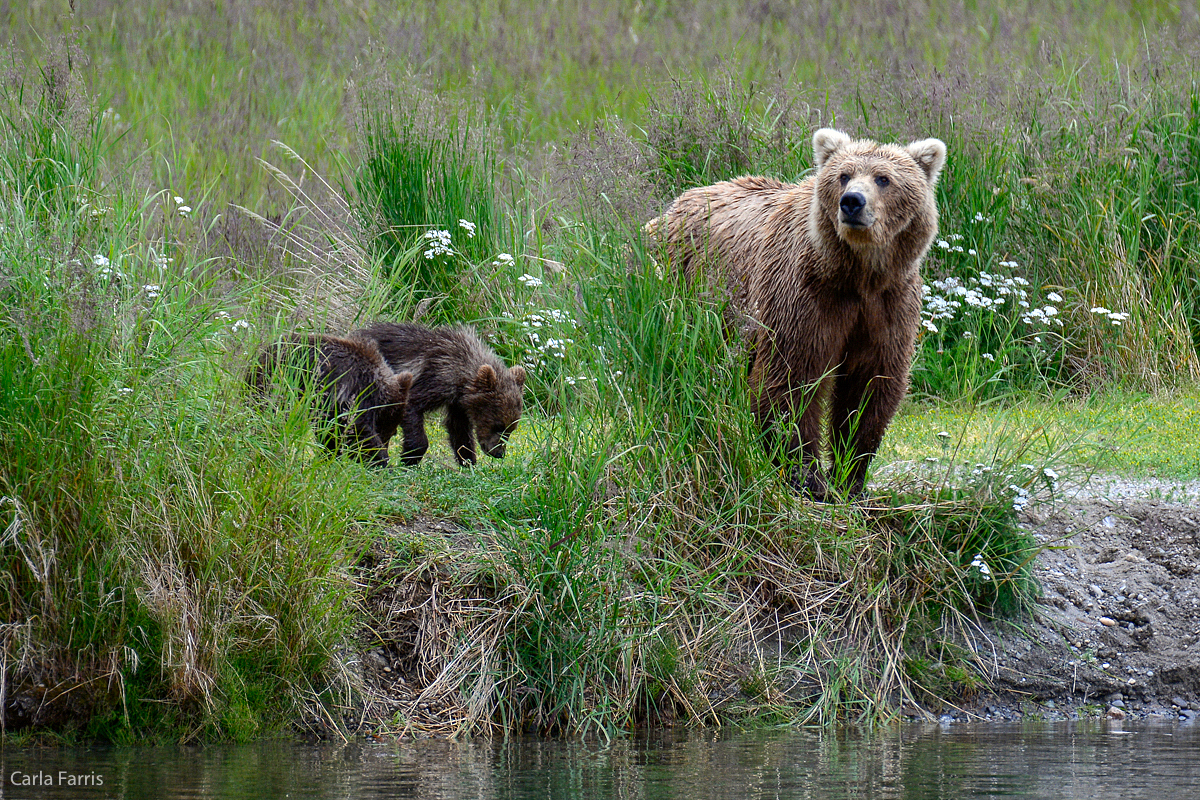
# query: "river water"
{"type": "Point", "coordinates": [1086, 760]}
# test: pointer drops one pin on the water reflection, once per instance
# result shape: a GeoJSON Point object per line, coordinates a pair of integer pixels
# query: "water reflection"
{"type": "Point", "coordinates": [1042, 760]}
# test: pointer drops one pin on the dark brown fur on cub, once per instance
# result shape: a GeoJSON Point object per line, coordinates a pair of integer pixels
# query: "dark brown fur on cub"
{"type": "Point", "coordinates": [357, 389]}
{"type": "Point", "coordinates": [826, 271]}
{"type": "Point", "coordinates": [451, 369]}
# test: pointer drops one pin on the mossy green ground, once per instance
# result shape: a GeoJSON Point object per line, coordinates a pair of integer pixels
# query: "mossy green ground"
{"type": "Point", "coordinates": [1114, 432]}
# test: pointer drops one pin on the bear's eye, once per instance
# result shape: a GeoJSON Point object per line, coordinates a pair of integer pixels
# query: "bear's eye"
{"type": "Point", "coordinates": [844, 178]}
{"type": "Point", "coordinates": [882, 180]}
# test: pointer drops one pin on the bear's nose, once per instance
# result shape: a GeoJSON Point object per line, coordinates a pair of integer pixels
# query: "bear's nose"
{"type": "Point", "coordinates": [852, 203]}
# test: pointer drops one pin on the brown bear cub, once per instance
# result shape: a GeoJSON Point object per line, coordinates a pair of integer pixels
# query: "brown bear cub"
{"type": "Point", "coordinates": [826, 271]}
{"type": "Point", "coordinates": [357, 389]}
{"type": "Point", "coordinates": [451, 369]}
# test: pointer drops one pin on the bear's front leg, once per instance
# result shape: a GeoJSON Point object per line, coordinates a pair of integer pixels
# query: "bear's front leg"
{"type": "Point", "coordinates": [458, 428]}
{"type": "Point", "coordinates": [791, 427]}
{"type": "Point", "coordinates": [863, 405]}
{"type": "Point", "coordinates": [812, 474]}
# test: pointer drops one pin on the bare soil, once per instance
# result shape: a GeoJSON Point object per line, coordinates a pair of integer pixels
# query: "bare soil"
{"type": "Point", "coordinates": [1117, 627]}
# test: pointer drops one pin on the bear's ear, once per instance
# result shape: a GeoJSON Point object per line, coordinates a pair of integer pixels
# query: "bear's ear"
{"type": "Point", "coordinates": [930, 154]}
{"type": "Point", "coordinates": [826, 142]}
{"type": "Point", "coordinates": [518, 374]}
{"type": "Point", "coordinates": [485, 379]}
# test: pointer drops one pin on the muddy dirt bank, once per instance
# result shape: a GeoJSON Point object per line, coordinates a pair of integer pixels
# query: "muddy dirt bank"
{"type": "Point", "coordinates": [1117, 626]}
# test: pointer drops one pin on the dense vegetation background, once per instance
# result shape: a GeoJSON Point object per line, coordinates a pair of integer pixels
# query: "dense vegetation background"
{"type": "Point", "coordinates": [184, 181]}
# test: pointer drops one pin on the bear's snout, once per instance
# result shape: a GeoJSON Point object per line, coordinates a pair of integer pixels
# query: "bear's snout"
{"type": "Point", "coordinates": [852, 204]}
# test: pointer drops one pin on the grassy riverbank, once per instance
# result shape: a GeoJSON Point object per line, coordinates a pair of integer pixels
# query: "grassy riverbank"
{"type": "Point", "coordinates": [181, 562]}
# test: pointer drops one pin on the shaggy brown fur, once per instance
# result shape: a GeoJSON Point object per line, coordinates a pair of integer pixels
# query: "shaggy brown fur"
{"type": "Point", "coordinates": [826, 273]}
{"type": "Point", "coordinates": [358, 389]}
{"type": "Point", "coordinates": [452, 369]}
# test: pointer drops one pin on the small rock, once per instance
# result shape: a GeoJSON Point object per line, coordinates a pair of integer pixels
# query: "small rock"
{"type": "Point", "coordinates": [1108, 622]}
{"type": "Point", "coordinates": [1188, 715]}
{"type": "Point", "coordinates": [1095, 590]}
{"type": "Point", "coordinates": [1115, 713]}
{"type": "Point", "coordinates": [1179, 701]}
{"type": "Point", "coordinates": [1109, 521]}
{"type": "Point", "coordinates": [1115, 697]}
{"type": "Point", "coordinates": [1118, 703]}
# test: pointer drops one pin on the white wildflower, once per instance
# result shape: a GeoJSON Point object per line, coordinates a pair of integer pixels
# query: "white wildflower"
{"type": "Point", "coordinates": [979, 564]}
{"type": "Point", "coordinates": [1054, 297]}
{"type": "Point", "coordinates": [1051, 478]}
{"type": "Point", "coordinates": [1020, 497]}
{"type": "Point", "coordinates": [469, 227]}
{"type": "Point", "coordinates": [531, 281]}
{"type": "Point", "coordinates": [439, 244]}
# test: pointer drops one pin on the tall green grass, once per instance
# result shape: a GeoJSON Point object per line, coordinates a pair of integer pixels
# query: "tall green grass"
{"type": "Point", "coordinates": [174, 563]}
{"type": "Point", "coordinates": [425, 184]}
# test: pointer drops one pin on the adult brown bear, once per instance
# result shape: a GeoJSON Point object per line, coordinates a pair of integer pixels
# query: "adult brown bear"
{"type": "Point", "coordinates": [826, 274]}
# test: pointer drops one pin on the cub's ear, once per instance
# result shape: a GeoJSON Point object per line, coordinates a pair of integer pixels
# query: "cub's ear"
{"type": "Point", "coordinates": [826, 142]}
{"type": "Point", "coordinates": [400, 386]}
{"type": "Point", "coordinates": [930, 154]}
{"type": "Point", "coordinates": [485, 379]}
{"type": "Point", "coordinates": [518, 374]}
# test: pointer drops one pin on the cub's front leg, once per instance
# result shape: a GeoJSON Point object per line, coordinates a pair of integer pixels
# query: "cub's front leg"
{"type": "Point", "coordinates": [458, 428]}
